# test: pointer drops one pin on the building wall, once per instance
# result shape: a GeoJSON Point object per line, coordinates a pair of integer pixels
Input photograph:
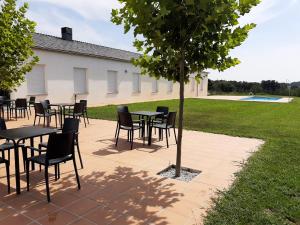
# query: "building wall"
{"type": "Point", "coordinates": [59, 81]}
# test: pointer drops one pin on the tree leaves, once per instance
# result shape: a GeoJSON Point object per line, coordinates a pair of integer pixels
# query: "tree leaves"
{"type": "Point", "coordinates": [16, 54]}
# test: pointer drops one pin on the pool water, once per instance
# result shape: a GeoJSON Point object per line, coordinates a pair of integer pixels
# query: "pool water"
{"type": "Point", "coordinates": [261, 99]}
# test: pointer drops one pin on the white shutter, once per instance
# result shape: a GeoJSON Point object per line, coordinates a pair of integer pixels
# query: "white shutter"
{"type": "Point", "coordinates": [192, 83]}
{"type": "Point", "coordinates": [136, 83]}
{"type": "Point", "coordinates": [80, 81]}
{"type": "Point", "coordinates": [170, 86]}
{"type": "Point", "coordinates": [112, 82]}
{"type": "Point", "coordinates": [154, 86]}
{"type": "Point", "coordinates": [36, 83]}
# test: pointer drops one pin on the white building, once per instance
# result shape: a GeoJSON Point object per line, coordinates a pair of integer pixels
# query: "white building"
{"type": "Point", "coordinates": [96, 73]}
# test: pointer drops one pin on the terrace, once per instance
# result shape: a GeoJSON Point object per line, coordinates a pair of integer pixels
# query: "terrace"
{"type": "Point", "coordinates": [121, 186]}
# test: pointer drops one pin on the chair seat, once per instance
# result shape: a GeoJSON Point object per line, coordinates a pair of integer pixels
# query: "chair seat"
{"type": "Point", "coordinates": [3, 160]}
{"type": "Point", "coordinates": [8, 145]}
{"type": "Point", "coordinates": [162, 126]}
{"type": "Point", "coordinates": [43, 144]}
{"type": "Point", "coordinates": [41, 159]}
{"type": "Point", "coordinates": [135, 127]}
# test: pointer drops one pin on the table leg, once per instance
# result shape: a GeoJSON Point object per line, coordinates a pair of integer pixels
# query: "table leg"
{"type": "Point", "coordinates": [149, 130]}
{"type": "Point", "coordinates": [32, 153]}
{"type": "Point", "coordinates": [61, 116]}
{"type": "Point", "coordinates": [7, 111]}
{"type": "Point", "coordinates": [17, 167]}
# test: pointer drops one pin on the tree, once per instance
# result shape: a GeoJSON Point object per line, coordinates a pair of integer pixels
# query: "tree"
{"type": "Point", "coordinates": [179, 38]}
{"type": "Point", "coordinates": [16, 54]}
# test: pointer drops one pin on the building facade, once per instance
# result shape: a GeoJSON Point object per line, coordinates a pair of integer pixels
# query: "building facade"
{"type": "Point", "coordinates": [71, 69]}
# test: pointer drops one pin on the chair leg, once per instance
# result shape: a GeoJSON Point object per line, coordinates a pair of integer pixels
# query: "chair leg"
{"type": "Point", "coordinates": [79, 154]}
{"type": "Point", "coordinates": [55, 120]}
{"type": "Point", "coordinates": [27, 113]}
{"type": "Point", "coordinates": [132, 134]}
{"type": "Point", "coordinates": [39, 120]}
{"type": "Point", "coordinates": [167, 138]}
{"type": "Point", "coordinates": [175, 135]}
{"type": "Point", "coordinates": [87, 117]}
{"type": "Point", "coordinates": [24, 153]}
{"type": "Point", "coordinates": [34, 121]}
{"type": "Point", "coordinates": [116, 130]}
{"type": "Point", "coordinates": [7, 176]}
{"type": "Point", "coordinates": [76, 173]}
{"type": "Point", "coordinates": [47, 183]}
{"type": "Point", "coordinates": [27, 174]}
{"type": "Point", "coordinates": [84, 120]}
{"type": "Point", "coordinates": [117, 139]}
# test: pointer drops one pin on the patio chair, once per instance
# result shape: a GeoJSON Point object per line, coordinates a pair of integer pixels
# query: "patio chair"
{"type": "Point", "coordinates": [21, 107]}
{"type": "Point", "coordinates": [161, 118]}
{"type": "Point", "coordinates": [70, 125]}
{"type": "Point", "coordinates": [85, 113]}
{"type": "Point", "coordinates": [6, 162]}
{"type": "Point", "coordinates": [31, 103]}
{"type": "Point", "coordinates": [60, 149]}
{"type": "Point", "coordinates": [41, 112]}
{"type": "Point", "coordinates": [166, 126]}
{"type": "Point", "coordinates": [47, 106]}
{"type": "Point", "coordinates": [126, 123]}
{"type": "Point", "coordinates": [77, 112]}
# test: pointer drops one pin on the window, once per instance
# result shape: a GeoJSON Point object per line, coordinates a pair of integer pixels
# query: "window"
{"type": "Point", "coordinates": [136, 83]}
{"type": "Point", "coordinates": [36, 82]}
{"type": "Point", "coordinates": [192, 83]}
{"type": "Point", "coordinates": [170, 86]}
{"type": "Point", "coordinates": [154, 86]}
{"type": "Point", "coordinates": [112, 82]}
{"type": "Point", "coordinates": [80, 81]}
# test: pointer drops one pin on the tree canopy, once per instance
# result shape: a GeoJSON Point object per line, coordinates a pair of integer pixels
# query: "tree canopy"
{"type": "Point", "coordinates": [16, 54]}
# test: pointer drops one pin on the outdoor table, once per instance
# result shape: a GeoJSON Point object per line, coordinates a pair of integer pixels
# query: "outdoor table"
{"type": "Point", "coordinates": [62, 109]}
{"type": "Point", "coordinates": [16, 135]}
{"type": "Point", "coordinates": [7, 103]}
{"type": "Point", "coordinates": [148, 115]}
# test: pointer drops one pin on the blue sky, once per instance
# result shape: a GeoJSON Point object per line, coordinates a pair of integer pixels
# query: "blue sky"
{"type": "Point", "coordinates": [272, 50]}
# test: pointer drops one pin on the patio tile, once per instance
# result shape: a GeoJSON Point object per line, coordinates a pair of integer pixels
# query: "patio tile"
{"type": "Point", "coordinates": [83, 222]}
{"type": "Point", "coordinates": [5, 211]}
{"type": "Point", "coordinates": [15, 219]}
{"type": "Point", "coordinates": [81, 206]}
{"type": "Point", "coordinates": [58, 217]}
{"type": "Point", "coordinates": [39, 210]}
{"type": "Point", "coordinates": [103, 215]}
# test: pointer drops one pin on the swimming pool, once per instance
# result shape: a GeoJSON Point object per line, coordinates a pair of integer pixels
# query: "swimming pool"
{"type": "Point", "coordinates": [261, 99]}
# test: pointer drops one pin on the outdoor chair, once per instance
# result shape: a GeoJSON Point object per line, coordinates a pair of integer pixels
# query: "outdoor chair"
{"type": "Point", "coordinates": [41, 112]}
{"type": "Point", "coordinates": [85, 113]}
{"type": "Point", "coordinates": [70, 125]}
{"type": "Point", "coordinates": [77, 112]}
{"type": "Point", "coordinates": [166, 126]}
{"type": "Point", "coordinates": [47, 106]}
{"type": "Point", "coordinates": [60, 149]}
{"type": "Point", "coordinates": [6, 162]}
{"type": "Point", "coordinates": [31, 103]}
{"type": "Point", "coordinates": [124, 108]}
{"type": "Point", "coordinates": [161, 118]}
{"type": "Point", "coordinates": [21, 107]}
{"type": "Point", "coordinates": [125, 123]}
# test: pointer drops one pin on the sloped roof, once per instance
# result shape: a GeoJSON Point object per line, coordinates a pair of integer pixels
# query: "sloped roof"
{"type": "Point", "coordinates": [52, 43]}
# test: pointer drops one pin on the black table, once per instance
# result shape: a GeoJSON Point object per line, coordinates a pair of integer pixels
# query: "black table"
{"type": "Point", "coordinates": [62, 109]}
{"type": "Point", "coordinates": [148, 115]}
{"type": "Point", "coordinates": [17, 135]}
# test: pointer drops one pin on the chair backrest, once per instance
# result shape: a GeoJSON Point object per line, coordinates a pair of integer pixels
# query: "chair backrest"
{"type": "Point", "coordinates": [39, 108]}
{"type": "Point", "coordinates": [2, 99]}
{"type": "Point", "coordinates": [2, 124]}
{"type": "Point", "coordinates": [32, 99]}
{"type": "Point", "coordinates": [21, 103]}
{"type": "Point", "coordinates": [60, 145]}
{"type": "Point", "coordinates": [79, 107]}
{"type": "Point", "coordinates": [45, 104]}
{"type": "Point", "coordinates": [125, 119]}
{"type": "Point", "coordinates": [163, 109]}
{"type": "Point", "coordinates": [122, 108]}
{"type": "Point", "coordinates": [171, 119]}
{"type": "Point", "coordinates": [70, 125]}
{"type": "Point", "coordinates": [84, 103]}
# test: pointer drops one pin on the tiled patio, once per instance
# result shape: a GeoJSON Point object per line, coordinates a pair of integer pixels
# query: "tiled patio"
{"type": "Point", "coordinates": [120, 186]}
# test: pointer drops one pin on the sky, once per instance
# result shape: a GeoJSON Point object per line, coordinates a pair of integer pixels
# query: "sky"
{"type": "Point", "coordinates": [271, 52]}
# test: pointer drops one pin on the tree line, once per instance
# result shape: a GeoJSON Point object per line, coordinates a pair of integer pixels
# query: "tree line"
{"type": "Point", "coordinates": [264, 87]}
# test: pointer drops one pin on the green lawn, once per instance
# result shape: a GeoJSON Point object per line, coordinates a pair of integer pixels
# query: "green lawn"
{"type": "Point", "coordinates": [267, 190]}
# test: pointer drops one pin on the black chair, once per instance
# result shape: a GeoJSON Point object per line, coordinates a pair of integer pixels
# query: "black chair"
{"type": "Point", "coordinates": [41, 112]}
{"type": "Point", "coordinates": [6, 162]}
{"type": "Point", "coordinates": [31, 103]}
{"type": "Point", "coordinates": [166, 126]}
{"type": "Point", "coordinates": [60, 149]}
{"type": "Point", "coordinates": [125, 123]}
{"type": "Point", "coordinates": [85, 111]}
{"type": "Point", "coordinates": [47, 106]}
{"type": "Point", "coordinates": [77, 112]}
{"type": "Point", "coordinates": [70, 125]}
{"type": "Point", "coordinates": [21, 106]}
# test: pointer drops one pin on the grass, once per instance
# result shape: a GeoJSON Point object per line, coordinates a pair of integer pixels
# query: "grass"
{"type": "Point", "coordinates": [267, 190]}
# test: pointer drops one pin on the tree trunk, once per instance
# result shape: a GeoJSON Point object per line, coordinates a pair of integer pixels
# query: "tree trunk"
{"type": "Point", "coordinates": [180, 121]}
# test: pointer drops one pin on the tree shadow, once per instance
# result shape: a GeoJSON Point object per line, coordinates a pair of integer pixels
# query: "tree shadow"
{"type": "Point", "coordinates": [131, 197]}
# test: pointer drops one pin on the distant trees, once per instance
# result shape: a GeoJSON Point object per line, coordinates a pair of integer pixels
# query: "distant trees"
{"type": "Point", "coordinates": [265, 87]}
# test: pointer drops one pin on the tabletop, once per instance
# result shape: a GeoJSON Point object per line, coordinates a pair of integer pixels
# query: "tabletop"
{"type": "Point", "coordinates": [62, 104]}
{"type": "Point", "coordinates": [147, 113]}
{"type": "Point", "coordinates": [25, 132]}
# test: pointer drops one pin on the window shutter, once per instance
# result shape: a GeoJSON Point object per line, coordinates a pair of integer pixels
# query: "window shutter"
{"type": "Point", "coordinates": [154, 86]}
{"type": "Point", "coordinates": [136, 83]}
{"type": "Point", "coordinates": [192, 83]}
{"type": "Point", "coordinates": [112, 82]}
{"type": "Point", "coordinates": [80, 81]}
{"type": "Point", "coordinates": [36, 83]}
{"type": "Point", "coordinates": [170, 86]}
